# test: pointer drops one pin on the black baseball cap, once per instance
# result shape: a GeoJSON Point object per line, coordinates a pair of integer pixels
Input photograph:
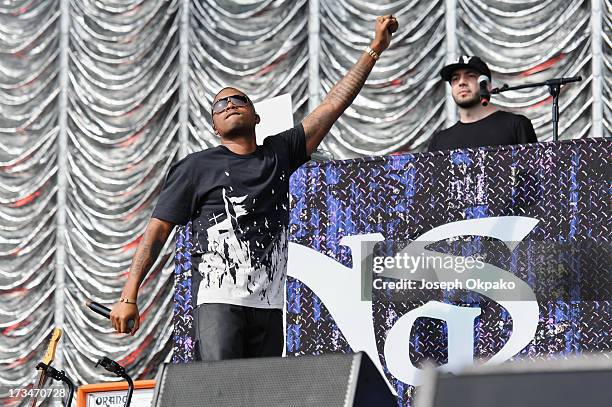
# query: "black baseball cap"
{"type": "Point", "coordinates": [474, 63]}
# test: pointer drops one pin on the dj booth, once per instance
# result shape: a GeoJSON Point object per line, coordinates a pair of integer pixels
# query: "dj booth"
{"type": "Point", "coordinates": [537, 217]}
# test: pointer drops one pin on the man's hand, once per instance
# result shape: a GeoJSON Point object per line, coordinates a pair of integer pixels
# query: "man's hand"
{"type": "Point", "coordinates": [319, 121]}
{"type": "Point", "coordinates": [121, 314]}
{"type": "Point", "coordinates": [385, 27]}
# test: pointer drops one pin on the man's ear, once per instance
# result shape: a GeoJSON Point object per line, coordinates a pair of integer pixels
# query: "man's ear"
{"type": "Point", "coordinates": [257, 118]}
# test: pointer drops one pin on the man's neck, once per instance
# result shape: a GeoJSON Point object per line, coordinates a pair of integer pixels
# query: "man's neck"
{"type": "Point", "coordinates": [475, 113]}
{"type": "Point", "coordinates": [240, 145]}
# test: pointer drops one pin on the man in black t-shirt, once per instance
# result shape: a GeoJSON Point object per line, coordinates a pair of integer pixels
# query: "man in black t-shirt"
{"type": "Point", "coordinates": [237, 197]}
{"type": "Point", "coordinates": [478, 125]}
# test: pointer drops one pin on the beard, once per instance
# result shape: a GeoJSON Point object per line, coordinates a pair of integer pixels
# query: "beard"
{"type": "Point", "coordinates": [467, 103]}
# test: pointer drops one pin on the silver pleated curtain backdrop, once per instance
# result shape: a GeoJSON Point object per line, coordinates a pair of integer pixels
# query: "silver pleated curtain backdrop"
{"type": "Point", "coordinates": [98, 98]}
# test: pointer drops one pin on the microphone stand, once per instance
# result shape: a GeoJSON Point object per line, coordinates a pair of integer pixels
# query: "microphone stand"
{"type": "Point", "coordinates": [119, 370]}
{"type": "Point", "coordinates": [55, 374]}
{"type": "Point", "coordinates": [554, 88]}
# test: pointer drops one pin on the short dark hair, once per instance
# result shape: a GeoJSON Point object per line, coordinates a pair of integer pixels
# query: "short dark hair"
{"type": "Point", "coordinates": [225, 88]}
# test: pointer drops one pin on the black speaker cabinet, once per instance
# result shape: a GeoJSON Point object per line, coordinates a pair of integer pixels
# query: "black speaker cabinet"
{"type": "Point", "coordinates": [576, 382]}
{"type": "Point", "coordinates": [317, 381]}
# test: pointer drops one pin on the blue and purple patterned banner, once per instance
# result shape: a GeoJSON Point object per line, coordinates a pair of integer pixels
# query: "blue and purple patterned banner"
{"type": "Point", "coordinates": [567, 187]}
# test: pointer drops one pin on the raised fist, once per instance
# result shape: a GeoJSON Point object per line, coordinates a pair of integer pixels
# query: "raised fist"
{"type": "Point", "coordinates": [385, 27]}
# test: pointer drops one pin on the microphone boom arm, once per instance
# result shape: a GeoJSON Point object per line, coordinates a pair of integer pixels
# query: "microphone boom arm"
{"type": "Point", "coordinates": [554, 88]}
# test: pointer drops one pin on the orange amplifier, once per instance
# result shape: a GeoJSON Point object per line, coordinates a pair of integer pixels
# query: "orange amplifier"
{"type": "Point", "coordinates": [113, 394]}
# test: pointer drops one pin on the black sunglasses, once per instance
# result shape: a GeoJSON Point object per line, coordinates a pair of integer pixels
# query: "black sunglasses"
{"type": "Point", "coordinates": [237, 100]}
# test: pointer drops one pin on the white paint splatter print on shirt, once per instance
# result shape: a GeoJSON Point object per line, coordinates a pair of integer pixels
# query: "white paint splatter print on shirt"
{"type": "Point", "coordinates": [228, 267]}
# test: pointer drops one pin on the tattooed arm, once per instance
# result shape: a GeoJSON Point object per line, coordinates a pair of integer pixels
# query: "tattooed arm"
{"type": "Point", "coordinates": [319, 121]}
{"type": "Point", "coordinates": [148, 249]}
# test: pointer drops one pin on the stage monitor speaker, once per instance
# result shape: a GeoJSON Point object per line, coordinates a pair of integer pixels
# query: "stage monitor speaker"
{"type": "Point", "coordinates": [318, 381]}
{"type": "Point", "coordinates": [572, 382]}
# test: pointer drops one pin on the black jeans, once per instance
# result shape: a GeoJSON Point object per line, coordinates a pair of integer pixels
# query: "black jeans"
{"type": "Point", "coordinates": [226, 331]}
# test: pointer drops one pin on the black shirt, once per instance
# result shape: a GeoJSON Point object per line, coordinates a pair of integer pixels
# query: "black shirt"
{"type": "Point", "coordinates": [239, 205]}
{"type": "Point", "coordinates": [498, 129]}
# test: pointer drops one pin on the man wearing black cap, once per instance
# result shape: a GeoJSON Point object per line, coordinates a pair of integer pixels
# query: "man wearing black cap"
{"type": "Point", "coordinates": [480, 124]}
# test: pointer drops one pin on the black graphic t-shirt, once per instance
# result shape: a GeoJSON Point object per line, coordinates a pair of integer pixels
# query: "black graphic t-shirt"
{"type": "Point", "coordinates": [239, 205]}
{"type": "Point", "coordinates": [498, 129]}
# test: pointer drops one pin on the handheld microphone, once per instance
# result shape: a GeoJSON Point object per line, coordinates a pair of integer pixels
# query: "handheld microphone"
{"type": "Point", "coordinates": [485, 96]}
{"type": "Point", "coordinates": [105, 312]}
{"type": "Point", "coordinates": [393, 27]}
